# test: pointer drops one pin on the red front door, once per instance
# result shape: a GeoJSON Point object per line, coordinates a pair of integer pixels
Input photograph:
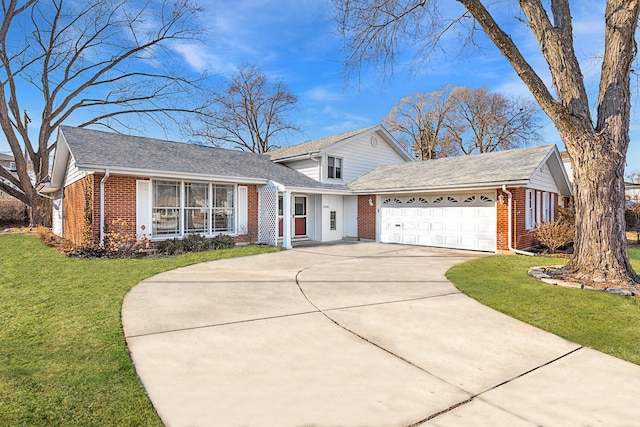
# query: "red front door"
{"type": "Point", "coordinates": [300, 216]}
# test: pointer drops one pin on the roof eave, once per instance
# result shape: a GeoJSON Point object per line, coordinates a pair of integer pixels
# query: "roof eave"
{"type": "Point", "coordinates": [464, 187]}
{"type": "Point", "coordinates": [115, 170]}
{"type": "Point", "coordinates": [304, 156]}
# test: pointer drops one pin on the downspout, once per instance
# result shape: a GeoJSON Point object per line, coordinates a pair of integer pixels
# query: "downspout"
{"type": "Point", "coordinates": [510, 225]}
{"type": "Point", "coordinates": [104, 179]}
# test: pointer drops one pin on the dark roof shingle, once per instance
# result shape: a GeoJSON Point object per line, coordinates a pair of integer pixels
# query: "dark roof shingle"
{"type": "Point", "coordinates": [97, 149]}
{"type": "Point", "coordinates": [452, 172]}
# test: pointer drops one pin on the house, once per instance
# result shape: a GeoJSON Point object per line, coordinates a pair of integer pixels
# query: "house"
{"type": "Point", "coordinates": [7, 162]}
{"type": "Point", "coordinates": [632, 193]}
{"type": "Point", "coordinates": [359, 184]}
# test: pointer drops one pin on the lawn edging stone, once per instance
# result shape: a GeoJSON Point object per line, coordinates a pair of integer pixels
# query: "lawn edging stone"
{"type": "Point", "coordinates": [542, 273]}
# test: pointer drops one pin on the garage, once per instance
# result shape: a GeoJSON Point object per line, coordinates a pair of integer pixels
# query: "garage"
{"type": "Point", "coordinates": [459, 221]}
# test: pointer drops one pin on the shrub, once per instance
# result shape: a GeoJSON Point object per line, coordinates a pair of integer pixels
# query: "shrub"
{"type": "Point", "coordinates": [13, 211]}
{"type": "Point", "coordinates": [222, 241]}
{"type": "Point", "coordinates": [119, 242]}
{"type": "Point", "coordinates": [194, 243]}
{"type": "Point", "coordinates": [556, 234]}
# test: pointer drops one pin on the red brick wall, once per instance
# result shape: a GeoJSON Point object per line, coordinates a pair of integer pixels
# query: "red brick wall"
{"type": "Point", "coordinates": [73, 221]}
{"type": "Point", "coordinates": [366, 217]}
{"type": "Point", "coordinates": [522, 238]}
{"type": "Point", "coordinates": [502, 224]}
{"type": "Point", "coordinates": [120, 204]}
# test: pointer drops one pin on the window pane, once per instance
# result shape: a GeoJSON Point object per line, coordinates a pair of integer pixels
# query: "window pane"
{"type": "Point", "coordinates": [166, 194]}
{"type": "Point", "coordinates": [166, 208]}
{"type": "Point", "coordinates": [166, 221]}
{"type": "Point", "coordinates": [197, 195]}
{"type": "Point", "coordinates": [223, 196]}
{"type": "Point", "coordinates": [332, 220]}
{"type": "Point", "coordinates": [223, 220]}
{"type": "Point", "coordinates": [300, 206]}
{"type": "Point", "coordinates": [223, 213]}
{"type": "Point", "coordinates": [338, 168]}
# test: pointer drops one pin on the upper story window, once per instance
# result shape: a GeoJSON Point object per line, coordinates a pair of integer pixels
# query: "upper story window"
{"type": "Point", "coordinates": [334, 170]}
{"type": "Point", "coordinates": [12, 166]}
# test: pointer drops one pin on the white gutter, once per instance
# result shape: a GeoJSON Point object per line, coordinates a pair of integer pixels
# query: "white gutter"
{"type": "Point", "coordinates": [510, 225]}
{"type": "Point", "coordinates": [104, 179]}
{"type": "Point", "coordinates": [441, 188]}
{"type": "Point", "coordinates": [173, 175]}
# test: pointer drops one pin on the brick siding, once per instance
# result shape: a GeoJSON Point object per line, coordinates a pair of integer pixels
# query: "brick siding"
{"type": "Point", "coordinates": [366, 218]}
{"type": "Point", "coordinates": [74, 209]}
{"type": "Point", "coordinates": [120, 205]}
{"type": "Point", "coordinates": [522, 238]}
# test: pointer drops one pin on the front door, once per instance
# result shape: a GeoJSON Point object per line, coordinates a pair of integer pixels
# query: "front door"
{"type": "Point", "coordinates": [300, 216]}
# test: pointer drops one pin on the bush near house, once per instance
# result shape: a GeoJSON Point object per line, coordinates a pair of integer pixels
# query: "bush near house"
{"type": "Point", "coordinates": [556, 234]}
{"type": "Point", "coordinates": [13, 212]}
{"type": "Point", "coordinates": [195, 243]}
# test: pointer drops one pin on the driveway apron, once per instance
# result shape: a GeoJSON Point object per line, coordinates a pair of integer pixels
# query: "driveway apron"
{"type": "Point", "coordinates": [357, 334]}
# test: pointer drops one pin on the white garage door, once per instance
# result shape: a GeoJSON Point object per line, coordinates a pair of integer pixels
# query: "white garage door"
{"type": "Point", "coordinates": [451, 221]}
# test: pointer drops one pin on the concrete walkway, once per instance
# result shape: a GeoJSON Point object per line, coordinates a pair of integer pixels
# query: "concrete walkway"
{"type": "Point", "coordinates": [359, 334]}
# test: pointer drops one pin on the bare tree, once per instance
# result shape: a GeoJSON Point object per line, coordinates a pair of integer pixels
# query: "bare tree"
{"type": "Point", "coordinates": [481, 121]}
{"type": "Point", "coordinates": [98, 61]}
{"type": "Point", "coordinates": [459, 120]}
{"type": "Point", "coordinates": [597, 147]}
{"type": "Point", "coordinates": [249, 113]}
{"type": "Point", "coordinates": [419, 122]}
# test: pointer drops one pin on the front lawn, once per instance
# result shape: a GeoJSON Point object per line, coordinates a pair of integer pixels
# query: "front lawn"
{"type": "Point", "coordinates": [63, 357]}
{"type": "Point", "coordinates": [605, 322]}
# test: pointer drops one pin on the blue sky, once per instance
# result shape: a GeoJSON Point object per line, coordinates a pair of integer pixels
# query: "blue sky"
{"type": "Point", "coordinates": [297, 41]}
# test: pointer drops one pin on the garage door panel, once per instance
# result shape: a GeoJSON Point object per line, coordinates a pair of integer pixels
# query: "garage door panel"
{"type": "Point", "coordinates": [460, 226]}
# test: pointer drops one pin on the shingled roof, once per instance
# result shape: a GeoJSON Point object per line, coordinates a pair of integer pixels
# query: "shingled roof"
{"type": "Point", "coordinates": [512, 167]}
{"type": "Point", "coordinates": [98, 150]}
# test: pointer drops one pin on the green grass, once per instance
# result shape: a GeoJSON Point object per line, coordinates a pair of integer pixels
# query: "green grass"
{"type": "Point", "coordinates": [605, 322]}
{"type": "Point", "coordinates": [63, 357]}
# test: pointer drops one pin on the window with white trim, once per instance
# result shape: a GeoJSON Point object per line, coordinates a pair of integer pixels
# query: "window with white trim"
{"type": "Point", "coordinates": [552, 207]}
{"type": "Point", "coordinates": [181, 208]}
{"type": "Point", "coordinates": [546, 210]}
{"type": "Point", "coordinates": [530, 205]}
{"type": "Point", "coordinates": [166, 208]}
{"type": "Point", "coordinates": [196, 207]}
{"type": "Point", "coordinates": [223, 218]}
{"type": "Point", "coordinates": [334, 167]}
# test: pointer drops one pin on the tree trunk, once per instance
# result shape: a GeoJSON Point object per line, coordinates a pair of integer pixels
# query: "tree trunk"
{"type": "Point", "coordinates": [600, 247]}
{"type": "Point", "coordinates": [40, 212]}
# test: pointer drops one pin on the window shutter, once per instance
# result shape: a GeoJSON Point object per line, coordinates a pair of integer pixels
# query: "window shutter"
{"type": "Point", "coordinates": [243, 214]}
{"type": "Point", "coordinates": [143, 209]}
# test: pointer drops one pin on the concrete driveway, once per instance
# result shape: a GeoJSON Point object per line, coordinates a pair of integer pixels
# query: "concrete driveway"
{"type": "Point", "coordinates": [357, 334]}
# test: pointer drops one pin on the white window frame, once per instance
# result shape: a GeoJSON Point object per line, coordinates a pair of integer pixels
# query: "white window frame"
{"type": "Point", "coordinates": [182, 209]}
{"type": "Point", "coordinates": [546, 210]}
{"type": "Point", "coordinates": [530, 210]}
{"type": "Point", "coordinates": [336, 168]}
{"type": "Point", "coordinates": [552, 207]}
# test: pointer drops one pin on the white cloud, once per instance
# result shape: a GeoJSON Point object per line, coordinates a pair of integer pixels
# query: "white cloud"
{"type": "Point", "coordinates": [199, 59]}
{"type": "Point", "coordinates": [323, 93]}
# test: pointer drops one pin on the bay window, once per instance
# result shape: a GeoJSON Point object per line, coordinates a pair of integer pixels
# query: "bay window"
{"type": "Point", "coordinates": [181, 208]}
